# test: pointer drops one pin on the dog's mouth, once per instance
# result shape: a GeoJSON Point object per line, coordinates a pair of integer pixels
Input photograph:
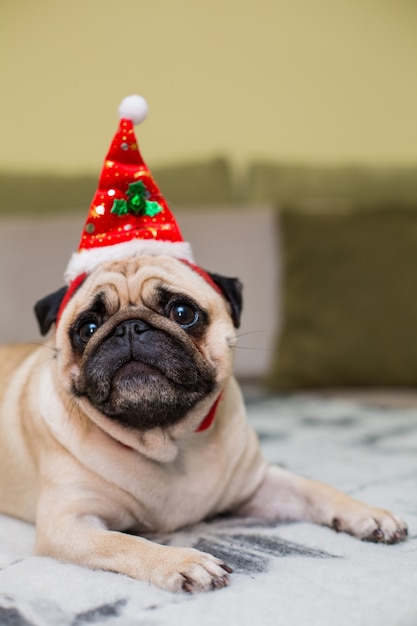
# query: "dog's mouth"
{"type": "Point", "coordinates": [132, 370]}
{"type": "Point", "coordinates": [145, 380]}
{"type": "Point", "coordinates": [136, 371]}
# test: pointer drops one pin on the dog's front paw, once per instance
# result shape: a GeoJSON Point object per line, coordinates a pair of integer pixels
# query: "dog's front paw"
{"type": "Point", "coordinates": [370, 524]}
{"type": "Point", "coordinates": [186, 569]}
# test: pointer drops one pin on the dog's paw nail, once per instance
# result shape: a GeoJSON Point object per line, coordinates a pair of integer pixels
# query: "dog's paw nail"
{"type": "Point", "coordinates": [187, 585]}
{"type": "Point", "coordinates": [226, 568]}
{"type": "Point", "coordinates": [401, 534]}
{"type": "Point", "coordinates": [377, 535]}
{"type": "Point", "coordinates": [219, 583]}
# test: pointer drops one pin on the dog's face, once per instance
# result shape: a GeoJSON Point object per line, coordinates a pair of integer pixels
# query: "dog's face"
{"type": "Point", "coordinates": [143, 341]}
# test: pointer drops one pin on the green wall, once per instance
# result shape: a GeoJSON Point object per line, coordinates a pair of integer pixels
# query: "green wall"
{"type": "Point", "coordinates": [299, 80]}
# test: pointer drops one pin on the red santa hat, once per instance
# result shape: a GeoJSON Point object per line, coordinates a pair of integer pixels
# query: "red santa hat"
{"type": "Point", "coordinates": [128, 215]}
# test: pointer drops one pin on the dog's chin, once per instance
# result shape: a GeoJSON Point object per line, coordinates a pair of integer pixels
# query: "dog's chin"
{"type": "Point", "coordinates": [142, 397]}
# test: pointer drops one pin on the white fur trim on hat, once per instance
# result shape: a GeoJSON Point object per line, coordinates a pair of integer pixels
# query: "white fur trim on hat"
{"type": "Point", "coordinates": [85, 261]}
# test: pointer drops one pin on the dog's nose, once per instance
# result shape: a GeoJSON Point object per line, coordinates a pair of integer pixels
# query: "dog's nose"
{"type": "Point", "coordinates": [130, 328]}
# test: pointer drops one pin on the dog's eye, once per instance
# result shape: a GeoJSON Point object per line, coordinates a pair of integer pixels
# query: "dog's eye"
{"type": "Point", "coordinates": [183, 314]}
{"type": "Point", "coordinates": [87, 330]}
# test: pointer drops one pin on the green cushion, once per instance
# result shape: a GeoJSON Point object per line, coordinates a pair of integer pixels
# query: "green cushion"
{"type": "Point", "coordinates": [197, 182]}
{"type": "Point", "coordinates": [280, 183]}
{"type": "Point", "coordinates": [26, 193]}
{"type": "Point", "coordinates": [349, 297]}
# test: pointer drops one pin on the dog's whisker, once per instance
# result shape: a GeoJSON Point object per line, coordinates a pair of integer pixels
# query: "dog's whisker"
{"type": "Point", "coordinates": [236, 347]}
{"type": "Point", "coordinates": [233, 344]}
{"type": "Point", "coordinates": [251, 332]}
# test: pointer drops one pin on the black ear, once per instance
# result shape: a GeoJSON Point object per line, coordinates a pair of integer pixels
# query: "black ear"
{"type": "Point", "coordinates": [46, 310]}
{"type": "Point", "coordinates": [232, 289]}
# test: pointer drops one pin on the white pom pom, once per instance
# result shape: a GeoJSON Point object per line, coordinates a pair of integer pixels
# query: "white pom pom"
{"type": "Point", "coordinates": [133, 108]}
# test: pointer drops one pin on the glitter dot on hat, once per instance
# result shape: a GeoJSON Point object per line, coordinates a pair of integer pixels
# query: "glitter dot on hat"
{"type": "Point", "coordinates": [128, 215]}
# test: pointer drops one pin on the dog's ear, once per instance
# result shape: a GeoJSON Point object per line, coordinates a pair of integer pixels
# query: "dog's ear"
{"type": "Point", "coordinates": [46, 310]}
{"type": "Point", "coordinates": [232, 289]}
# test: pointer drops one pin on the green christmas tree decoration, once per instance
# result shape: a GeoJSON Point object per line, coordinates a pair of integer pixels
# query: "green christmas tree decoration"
{"type": "Point", "coordinates": [120, 207]}
{"type": "Point", "coordinates": [137, 194]}
{"type": "Point", "coordinates": [137, 202]}
{"type": "Point", "coordinates": [152, 208]}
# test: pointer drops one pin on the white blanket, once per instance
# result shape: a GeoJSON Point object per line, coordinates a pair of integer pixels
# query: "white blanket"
{"type": "Point", "coordinates": [289, 574]}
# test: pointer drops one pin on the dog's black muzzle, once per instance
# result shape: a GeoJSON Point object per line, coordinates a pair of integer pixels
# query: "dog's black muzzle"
{"type": "Point", "coordinates": [144, 376]}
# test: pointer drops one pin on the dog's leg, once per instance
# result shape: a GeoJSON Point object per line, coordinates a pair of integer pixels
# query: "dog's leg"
{"type": "Point", "coordinates": [285, 496]}
{"type": "Point", "coordinates": [84, 538]}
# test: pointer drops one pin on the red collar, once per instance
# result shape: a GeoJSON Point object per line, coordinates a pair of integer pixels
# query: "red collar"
{"type": "Point", "coordinates": [208, 420]}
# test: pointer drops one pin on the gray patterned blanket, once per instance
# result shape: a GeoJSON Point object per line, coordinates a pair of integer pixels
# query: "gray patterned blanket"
{"type": "Point", "coordinates": [289, 574]}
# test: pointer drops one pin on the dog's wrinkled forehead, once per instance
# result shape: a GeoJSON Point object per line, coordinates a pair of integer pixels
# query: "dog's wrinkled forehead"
{"type": "Point", "coordinates": [134, 282]}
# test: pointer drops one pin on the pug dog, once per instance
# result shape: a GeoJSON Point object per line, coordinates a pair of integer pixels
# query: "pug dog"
{"type": "Point", "coordinates": [129, 422]}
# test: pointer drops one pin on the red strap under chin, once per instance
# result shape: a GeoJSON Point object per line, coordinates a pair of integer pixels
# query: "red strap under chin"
{"type": "Point", "coordinates": [208, 420]}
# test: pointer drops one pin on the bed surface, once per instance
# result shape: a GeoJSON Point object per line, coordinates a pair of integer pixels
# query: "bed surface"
{"type": "Point", "coordinates": [294, 574]}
